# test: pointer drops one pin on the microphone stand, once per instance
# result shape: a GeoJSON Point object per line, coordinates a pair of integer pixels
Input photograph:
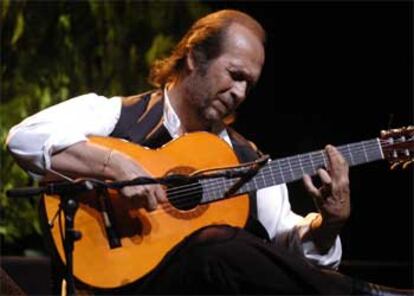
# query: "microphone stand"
{"type": "Point", "coordinates": [69, 204]}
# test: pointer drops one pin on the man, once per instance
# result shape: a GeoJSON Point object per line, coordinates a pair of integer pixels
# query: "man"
{"type": "Point", "coordinates": [208, 75]}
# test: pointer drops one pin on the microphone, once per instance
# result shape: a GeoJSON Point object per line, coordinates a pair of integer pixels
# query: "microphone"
{"type": "Point", "coordinates": [24, 191]}
{"type": "Point", "coordinates": [78, 186]}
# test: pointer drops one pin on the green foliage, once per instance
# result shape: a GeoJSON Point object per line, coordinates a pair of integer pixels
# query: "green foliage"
{"type": "Point", "coordinates": [54, 50]}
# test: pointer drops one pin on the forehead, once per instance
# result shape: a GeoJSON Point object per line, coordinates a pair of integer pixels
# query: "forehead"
{"type": "Point", "coordinates": [243, 49]}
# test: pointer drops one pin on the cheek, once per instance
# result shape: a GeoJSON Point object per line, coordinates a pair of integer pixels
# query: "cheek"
{"type": "Point", "coordinates": [224, 83]}
{"type": "Point", "coordinates": [218, 81]}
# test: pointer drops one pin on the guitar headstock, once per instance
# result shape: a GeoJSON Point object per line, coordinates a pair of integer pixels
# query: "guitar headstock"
{"type": "Point", "coordinates": [398, 146]}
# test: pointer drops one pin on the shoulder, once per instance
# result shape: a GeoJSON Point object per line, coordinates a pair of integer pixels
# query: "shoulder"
{"type": "Point", "coordinates": [145, 98]}
{"type": "Point", "coordinates": [237, 138]}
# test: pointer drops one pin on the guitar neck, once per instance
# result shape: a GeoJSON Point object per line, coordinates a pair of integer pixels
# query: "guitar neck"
{"type": "Point", "coordinates": [293, 168]}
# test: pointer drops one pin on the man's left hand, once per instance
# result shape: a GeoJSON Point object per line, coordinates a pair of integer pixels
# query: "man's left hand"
{"type": "Point", "coordinates": [333, 197]}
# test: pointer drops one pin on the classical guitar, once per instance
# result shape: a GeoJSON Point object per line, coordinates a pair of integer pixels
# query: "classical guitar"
{"type": "Point", "coordinates": [137, 240]}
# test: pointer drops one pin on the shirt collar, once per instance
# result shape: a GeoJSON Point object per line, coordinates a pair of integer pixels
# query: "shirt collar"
{"type": "Point", "coordinates": [173, 124]}
{"type": "Point", "coordinates": [171, 121]}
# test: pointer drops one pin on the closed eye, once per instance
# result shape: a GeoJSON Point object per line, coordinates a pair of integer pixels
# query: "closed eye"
{"type": "Point", "coordinates": [242, 76]}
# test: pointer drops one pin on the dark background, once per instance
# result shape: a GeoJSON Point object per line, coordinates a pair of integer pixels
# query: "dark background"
{"type": "Point", "coordinates": [339, 72]}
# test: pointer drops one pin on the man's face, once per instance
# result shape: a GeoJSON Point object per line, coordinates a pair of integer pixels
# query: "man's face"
{"type": "Point", "coordinates": [224, 84]}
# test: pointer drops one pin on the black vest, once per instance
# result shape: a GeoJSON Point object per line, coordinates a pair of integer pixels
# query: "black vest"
{"type": "Point", "coordinates": [141, 122]}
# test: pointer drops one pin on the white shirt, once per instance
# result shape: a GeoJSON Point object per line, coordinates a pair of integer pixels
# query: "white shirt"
{"type": "Point", "coordinates": [35, 139]}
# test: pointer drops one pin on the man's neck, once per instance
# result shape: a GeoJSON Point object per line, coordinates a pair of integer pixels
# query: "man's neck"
{"type": "Point", "coordinates": [188, 117]}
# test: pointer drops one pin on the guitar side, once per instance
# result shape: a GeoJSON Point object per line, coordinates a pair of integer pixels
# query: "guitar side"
{"type": "Point", "coordinates": [146, 236]}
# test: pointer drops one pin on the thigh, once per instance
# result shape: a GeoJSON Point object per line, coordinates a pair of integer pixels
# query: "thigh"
{"type": "Point", "coordinates": [222, 259]}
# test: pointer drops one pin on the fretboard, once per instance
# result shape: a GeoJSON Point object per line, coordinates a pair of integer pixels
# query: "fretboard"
{"type": "Point", "coordinates": [292, 168]}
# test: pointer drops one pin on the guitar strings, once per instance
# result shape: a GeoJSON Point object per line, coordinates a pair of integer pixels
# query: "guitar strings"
{"type": "Point", "coordinates": [318, 153]}
{"type": "Point", "coordinates": [230, 182]}
{"type": "Point", "coordinates": [281, 166]}
{"type": "Point", "coordinates": [185, 194]}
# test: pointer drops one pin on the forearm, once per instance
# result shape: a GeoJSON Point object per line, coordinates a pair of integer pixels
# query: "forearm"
{"type": "Point", "coordinates": [321, 245]}
{"type": "Point", "coordinates": [87, 159]}
{"type": "Point", "coordinates": [323, 234]}
{"type": "Point", "coordinates": [287, 229]}
{"type": "Point", "coordinates": [84, 159]}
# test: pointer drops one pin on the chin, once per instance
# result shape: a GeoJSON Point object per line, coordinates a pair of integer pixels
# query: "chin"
{"type": "Point", "coordinates": [211, 115]}
{"type": "Point", "coordinates": [210, 121]}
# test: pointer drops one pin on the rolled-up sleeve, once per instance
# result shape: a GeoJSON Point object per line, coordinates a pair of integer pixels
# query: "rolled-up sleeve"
{"type": "Point", "coordinates": [33, 141]}
{"type": "Point", "coordinates": [286, 228]}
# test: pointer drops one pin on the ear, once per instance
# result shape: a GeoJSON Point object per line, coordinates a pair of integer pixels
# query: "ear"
{"type": "Point", "coordinates": [189, 60]}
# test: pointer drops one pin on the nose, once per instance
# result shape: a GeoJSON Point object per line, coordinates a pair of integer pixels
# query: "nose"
{"type": "Point", "coordinates": [239, 91]}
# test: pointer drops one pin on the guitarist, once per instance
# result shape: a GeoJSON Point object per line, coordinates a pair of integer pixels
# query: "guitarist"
{"type": "Point", "coordinates": [199, 86]}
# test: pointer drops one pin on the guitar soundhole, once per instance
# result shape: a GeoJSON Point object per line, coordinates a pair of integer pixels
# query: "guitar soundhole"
{"type": "Point", "coordinates": [185, 195]}
{"type": "Point", "coordinates": [182, 194]}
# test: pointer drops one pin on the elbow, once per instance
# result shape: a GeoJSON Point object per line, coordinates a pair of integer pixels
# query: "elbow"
{"type": "Point", "coordinates": [12, 142]}
{"type": "Point", "coordinates": [19, 146]}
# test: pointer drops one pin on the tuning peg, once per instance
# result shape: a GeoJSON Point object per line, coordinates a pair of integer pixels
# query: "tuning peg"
{"type": "Point", "coordinates": [408, 130]}
{"type": "Point", "coordinates": [407, 163]}
{"type": "Point", "coordinates": [385, 133]}
{"type": "Point", "coordinates": [394, 165]}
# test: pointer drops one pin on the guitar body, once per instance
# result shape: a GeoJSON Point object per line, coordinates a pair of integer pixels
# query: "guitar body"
{"type": "Point", "coordinates": [146, 236]}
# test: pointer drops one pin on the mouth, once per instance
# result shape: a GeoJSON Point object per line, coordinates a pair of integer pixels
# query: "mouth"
{"type": "Point", "coordinates": [228, 103]}
{"type": "Point", "coordinates": [221, 107]}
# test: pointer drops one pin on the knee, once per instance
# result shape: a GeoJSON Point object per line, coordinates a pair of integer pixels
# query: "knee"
{"type": "Point", "coordinates": [214, 234]}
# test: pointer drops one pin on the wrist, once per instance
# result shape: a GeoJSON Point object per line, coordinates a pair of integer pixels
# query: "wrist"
{"type": "Point", "coordinates": [323, 233]}
{"type": "Point", "coordinates": [113, 165]}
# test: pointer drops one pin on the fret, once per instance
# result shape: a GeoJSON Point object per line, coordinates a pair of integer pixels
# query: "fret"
{"type": "Point", "coordinates": [379, 152]}
{"type": "Point", "coordinates": [213, 189]}
{"type": "Point", "coordinates": [249, 186]}
{"type": "Point", "coordinates": [218, 188]}
{"type": "Point", "coordinates": [313, 167]}
{"type": "Point", "coordinates": [325, 163]}
{"type": "Point", "coordinates": [295, 167]}
{"type": "Point", "coordinates": [362, 152]}
{"type": "Point", "coordinates": [355, 153]}
{"type": "Point", "coordinates": [320, 159]}
{"type": "Point", "coordinates": [300, 164]}
{"type": "Point", "coordinates": [261, 174]}
{"type": "Point", "coordinates": [279, 170]}
{"type": "Point", "coordinates": [272, 177]}
{"type": "Point", "coordinates": [292, 168]}
{"type": "Point", "coordinates": [288, 167]}
{"type": "Point", "coordinates": [350, 159]}
{"type": "Point", "coordinates": [375, 150]}
{"type": "Point", "coordinates": [306, 160]}
{"type": "Point", "coordinates": [285, 170]}
{"type": "Point", "coordinates": [365, 152]}
{"type": "Point", "coordinates": [257, 181]}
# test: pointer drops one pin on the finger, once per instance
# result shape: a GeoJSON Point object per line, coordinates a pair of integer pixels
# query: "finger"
{"type": "Point", "coordinates": [337, 163]}
{"type": "Point", "coordinates": [151, 202]}
{"type": "Point", "coordinates": [325, 177]}
{"type": "Point", "coordinates": [128, 192]}
{"type": "Point", "coordinates": [160, 194]}
{"type": "Point", "coordinates": [310, 187]}
{"type": "Point", "coordinates": [339, 169]}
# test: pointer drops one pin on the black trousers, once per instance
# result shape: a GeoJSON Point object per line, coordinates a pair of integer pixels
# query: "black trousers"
{"type": "Point", "coordinates": [229, 260]}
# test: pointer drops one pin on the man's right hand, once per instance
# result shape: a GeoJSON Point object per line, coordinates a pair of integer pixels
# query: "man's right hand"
{"type": "Point", "coordinates": [122, 167]}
